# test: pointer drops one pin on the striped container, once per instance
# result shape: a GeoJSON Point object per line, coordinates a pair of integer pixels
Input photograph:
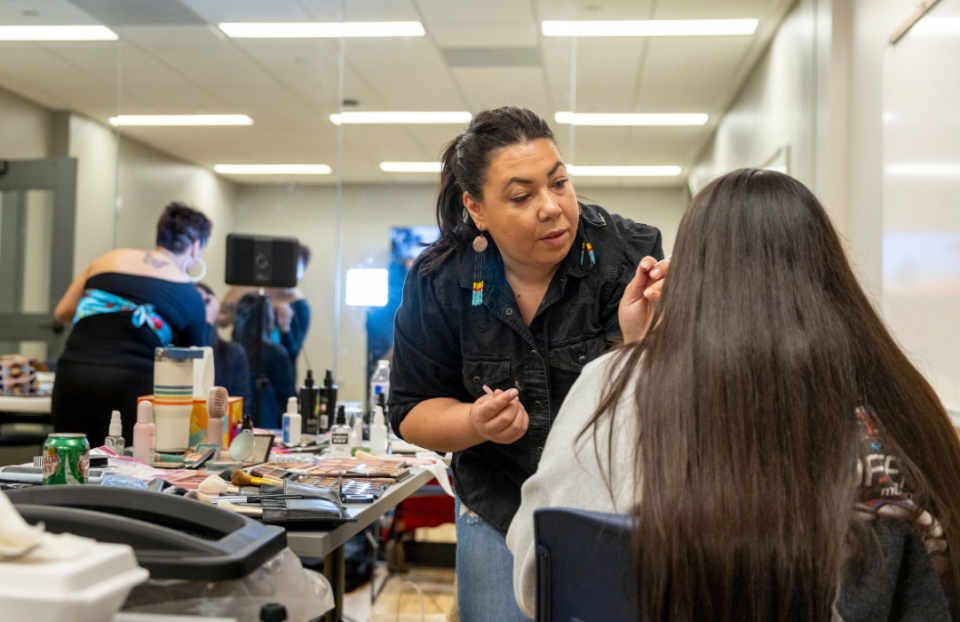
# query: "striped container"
{"type": "Point", "coordinates": [173, 395]}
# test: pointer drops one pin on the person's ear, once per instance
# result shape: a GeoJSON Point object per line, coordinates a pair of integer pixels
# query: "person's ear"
{"type": "Point", "coordinates": [475, 209]}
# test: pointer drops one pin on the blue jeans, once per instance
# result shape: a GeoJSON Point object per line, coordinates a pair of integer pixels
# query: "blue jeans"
{"type": "Point", "coordinates": [484, 573]}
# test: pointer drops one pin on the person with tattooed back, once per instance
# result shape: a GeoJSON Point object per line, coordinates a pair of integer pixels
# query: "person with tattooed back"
{"type": "Point", "coordinates": [123, 306]}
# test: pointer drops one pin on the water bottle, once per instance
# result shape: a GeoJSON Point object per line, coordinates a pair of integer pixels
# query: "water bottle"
{"type": "Point", "coordinates": [380, 383]}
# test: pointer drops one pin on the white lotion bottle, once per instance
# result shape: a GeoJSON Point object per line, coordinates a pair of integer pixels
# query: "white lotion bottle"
{"type": "Point", "coordinates": [378, 431]}
{"type": "Point", "coordinates": [144, 434]}
{"type": "Point", "coordinates": [292, 423]}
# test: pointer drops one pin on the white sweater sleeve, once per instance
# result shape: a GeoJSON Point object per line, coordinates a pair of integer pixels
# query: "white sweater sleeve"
{"type": "Point", "coordinates": [568, 478]}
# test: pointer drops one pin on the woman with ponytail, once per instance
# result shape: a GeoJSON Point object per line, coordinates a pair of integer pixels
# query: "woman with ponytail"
{"type": "Point", "coordinates": [523, 288]}
{"type": "Point", "coordinates": [762, 433]}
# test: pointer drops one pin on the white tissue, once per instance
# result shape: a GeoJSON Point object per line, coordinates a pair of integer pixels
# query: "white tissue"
{"type": "Point", "coordinates": [23, 543]}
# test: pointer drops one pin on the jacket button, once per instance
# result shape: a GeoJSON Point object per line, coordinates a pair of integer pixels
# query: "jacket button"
{"type": "Point", "coordinates": [533, 352]}
{"type": "Point", "coordinates": [536, 404]}
{"type": "Point", "coordinates": [583, 360]}
{"type": "Point", "coordinates": [476, 380]}
{"type": "Point", "coordinates": [509, 311]}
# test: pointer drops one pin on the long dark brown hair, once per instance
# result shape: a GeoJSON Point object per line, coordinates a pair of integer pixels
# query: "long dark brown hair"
{"type": "Point", "coordinates": [763, 346]}
{"type": "Point", "coordinates": [466, 160]}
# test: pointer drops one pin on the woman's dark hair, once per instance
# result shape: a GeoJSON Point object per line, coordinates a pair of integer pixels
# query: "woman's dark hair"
{"type": "Point", "coordinates": [465, 161]}
{"type": "Point", "coordinates": [745, 393]}
{"type": "Point", "coordinates": [304, 255]}
{"type": "Point", "coordinates": [219, 345]}
{"type": "Point", "coordinates": [245, 324]}
{"type": "Point", "coordinates": [180, 226]}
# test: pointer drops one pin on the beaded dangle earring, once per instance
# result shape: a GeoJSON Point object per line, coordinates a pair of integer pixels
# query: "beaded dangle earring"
{"type": "Point", "coordinates": [586, 248]}
{"type": "Point", "coordinates": [479, 245]}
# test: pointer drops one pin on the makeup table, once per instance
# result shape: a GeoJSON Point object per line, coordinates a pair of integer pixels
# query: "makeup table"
{"type": "Point", "coordinates": [329, 544]}
{"type": "Point", "coordinates": [19, 409]}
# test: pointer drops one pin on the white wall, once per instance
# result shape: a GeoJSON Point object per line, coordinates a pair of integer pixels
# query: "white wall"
{"type": "Point", "coordinates": [370, 211]}
{"type": "Point", "coordinates": [774, 108]}
{"type": "Point", "coordinates": [24, 128]}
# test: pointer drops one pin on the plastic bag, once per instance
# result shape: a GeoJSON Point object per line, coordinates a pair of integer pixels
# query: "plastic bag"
{"type": "Point", "coordinates": [305, 593]}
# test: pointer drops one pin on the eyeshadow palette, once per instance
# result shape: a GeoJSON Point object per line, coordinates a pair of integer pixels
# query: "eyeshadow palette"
{"type": "Point", "coordinates": [392, 469]}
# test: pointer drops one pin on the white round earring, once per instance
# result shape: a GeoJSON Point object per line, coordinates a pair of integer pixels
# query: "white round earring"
{"type": "Point", "coordinates": [203, 271]}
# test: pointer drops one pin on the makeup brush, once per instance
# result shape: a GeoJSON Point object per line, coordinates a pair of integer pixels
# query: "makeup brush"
{"type": "Point", "coordinates": [240, 478]}
{"type": "Point", "coordinates": [213, 485]}
{"type": "Point", "coordinates": [251, 512]}
{"type": "Point", "coordinates": [197, 496]}
{"type": "Point", "coordinates": [259, 473]}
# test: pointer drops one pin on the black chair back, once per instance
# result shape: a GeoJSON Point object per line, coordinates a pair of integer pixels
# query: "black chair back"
{"type": "Point", "coordinates": [585, 572]}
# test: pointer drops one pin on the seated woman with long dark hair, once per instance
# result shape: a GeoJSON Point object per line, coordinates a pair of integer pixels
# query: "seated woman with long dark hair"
{"type": "Point", "coordinates": [759, 431]}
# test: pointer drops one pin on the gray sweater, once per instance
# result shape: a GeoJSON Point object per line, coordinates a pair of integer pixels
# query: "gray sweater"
{"type": "Point", "coordinates": [571, 473]}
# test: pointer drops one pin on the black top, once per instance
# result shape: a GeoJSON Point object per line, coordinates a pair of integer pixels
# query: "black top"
{"type": "Point", "coordinates": [445, 347]}
{"type": "Point", "coordinates": [111, 339]}
{"type": "Point", "coordinates": [231, 370]}
{"type": "Point", "coordinates": [292, 341]}
{"type": "Point", "coordinates": [281, 383]}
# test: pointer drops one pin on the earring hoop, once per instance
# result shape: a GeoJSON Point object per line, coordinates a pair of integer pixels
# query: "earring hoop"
{"type": "Point", "coordinates": [203, 271]}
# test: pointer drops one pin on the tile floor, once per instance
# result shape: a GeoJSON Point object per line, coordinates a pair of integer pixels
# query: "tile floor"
{"type": "Point", "coordinates": [438, 585]}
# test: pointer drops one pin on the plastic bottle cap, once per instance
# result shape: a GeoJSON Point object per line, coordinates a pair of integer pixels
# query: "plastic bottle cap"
{"type": "Point", "coordinates": [116, 424]}
{"type": "Point", "coordinates": [273, 612]}
{"type": "Point", "coordinates": [145, 412]}
{"type": "Point", "coordinates": [308, 381]}
{"type": "Point", "coordinates": [341, 416]}
{"type": "Point", "coordinates": [292, 408]}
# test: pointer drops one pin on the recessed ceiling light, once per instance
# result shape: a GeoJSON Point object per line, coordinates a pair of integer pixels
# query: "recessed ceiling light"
{"type": "Point", "coordinates": [924, 169]}
{"type": "Point", "coordinates": [410, 167]}
{"type": "Point", "coordinates": [650, 28]}
{"type": "Point", "coordinates": [273, 169]}
{"type": "Point", "coordinates": [56, 33]}
{"type": "Point", "coordinates": [400, 117]}
{"type": "Point", "coordinates": [313, 30]}
{"type": "Point", "coordinates": [181, 119]}
{"type": "Point", "coordinates": [623, 171]}
{"type": "Point", "coordinates": [583, 118]}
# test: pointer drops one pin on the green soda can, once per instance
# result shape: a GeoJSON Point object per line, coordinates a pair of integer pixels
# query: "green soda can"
{"type": "Point", "coordinates": [66, 459]}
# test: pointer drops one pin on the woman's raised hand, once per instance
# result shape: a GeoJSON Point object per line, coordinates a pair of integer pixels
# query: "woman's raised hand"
{"type": "Point", "coordinates": [500, 417]}
{"type": "Point", "coordinates": [640, 298]}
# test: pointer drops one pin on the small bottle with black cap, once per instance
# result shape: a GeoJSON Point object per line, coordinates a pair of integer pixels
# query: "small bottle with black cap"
{"type": "Point", "coordinates": [340, 436]}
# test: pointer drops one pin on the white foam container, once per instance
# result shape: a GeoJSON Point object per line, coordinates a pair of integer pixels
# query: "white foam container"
{"type": "Point", "coordinates": [89, 589]}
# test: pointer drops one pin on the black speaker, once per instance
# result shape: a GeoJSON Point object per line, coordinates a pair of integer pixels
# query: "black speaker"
{"type": "Point", "coordinates": [261, 261]}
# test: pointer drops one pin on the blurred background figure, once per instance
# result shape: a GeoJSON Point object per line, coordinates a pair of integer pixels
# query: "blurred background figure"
{"type": "Point", "coordinates": [277, 368]}
{"type": "Point", "coordinates": [231, 366]}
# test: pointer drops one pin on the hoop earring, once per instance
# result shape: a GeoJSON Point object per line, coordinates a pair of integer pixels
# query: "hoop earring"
{"type": "Point", "coordinates": [203, 271]}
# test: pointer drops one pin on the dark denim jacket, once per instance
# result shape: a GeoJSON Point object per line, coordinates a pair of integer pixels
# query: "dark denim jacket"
{"type": "Point", "coordinates": [444, 347]}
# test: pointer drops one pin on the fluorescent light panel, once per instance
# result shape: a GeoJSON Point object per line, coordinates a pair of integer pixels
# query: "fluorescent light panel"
{"type": "Point", "coordinates": [400, 117]}
{"type": "Point", "coordinates": [367, 287]}
{"type": "Point", "coordinates": [924, 169]}
{"type": "Point", "coordinates": [623, 171]}
{"type": "Point", "coordinates": [650, 28]}
{"type": "Point", "coordinates": [322, 30]}
{"type": "Point", "coordinates": [582, 118]}
{"type": "Point", "coordinates": [410, 167]}
{"type": "Point", "coordinates": [273, 169]}
{"type": "Point", "coordinates": [181, 119]}
{"type": "Point", "coordinates": [56, 33]}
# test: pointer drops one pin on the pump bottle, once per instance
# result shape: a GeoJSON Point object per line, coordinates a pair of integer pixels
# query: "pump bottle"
{"type": "Point", "coordinates": [115, 440]}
